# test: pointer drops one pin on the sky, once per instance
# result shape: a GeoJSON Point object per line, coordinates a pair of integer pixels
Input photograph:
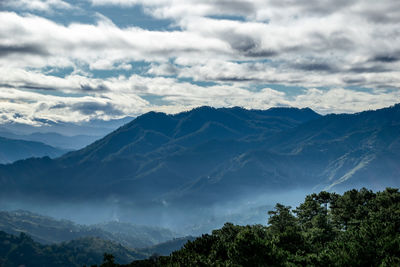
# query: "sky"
{"type": "Point", "coordinates": [72, 61]}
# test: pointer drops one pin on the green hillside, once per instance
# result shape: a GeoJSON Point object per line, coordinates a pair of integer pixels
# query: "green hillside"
{"type": "Point", "coordinates": [23, 251]}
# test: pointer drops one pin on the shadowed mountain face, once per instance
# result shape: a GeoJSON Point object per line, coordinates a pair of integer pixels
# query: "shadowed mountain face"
{"type": "Point", "coordinates": [154, 155]}
{"type": "Point", "coordinates": [207, 156]}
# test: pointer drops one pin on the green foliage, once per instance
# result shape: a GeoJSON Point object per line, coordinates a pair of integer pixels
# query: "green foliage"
{"type": "Point", "coordinates": [358, 228]}
{"type": "Point", "coordinates": [22, 250]}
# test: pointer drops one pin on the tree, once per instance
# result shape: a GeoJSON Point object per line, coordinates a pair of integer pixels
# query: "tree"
{"type": "Point", "coordinates": [108, 261]}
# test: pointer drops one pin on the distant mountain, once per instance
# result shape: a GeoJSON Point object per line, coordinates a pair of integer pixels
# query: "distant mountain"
{"type": "Point", "coordinates": [47, 230]}
{"type": "Point", "coordinates": [54, 139]}
{"type": "Point", "coordinates": [175, 164]}
{"type": "Point", "coordinates": [166, 248]}
{"type": "Point", "coordinates": [24, 251]}
{"type": "Point", "coordinates": [136, 236]}
{"type": "Point", "coordinates": [12, 150]}
{"type": "Point", "coordinates": [90, 128]}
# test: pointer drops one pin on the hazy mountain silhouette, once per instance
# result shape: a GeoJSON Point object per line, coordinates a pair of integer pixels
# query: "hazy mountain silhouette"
{"type": "Point", "coordinates": [47, 230]}
{"type": "Point", "coordinates": [12, 150]}
{"type": "Point", "coordinates": [94, 127]}
{"type": "Point", "coordinates": [54, 139]}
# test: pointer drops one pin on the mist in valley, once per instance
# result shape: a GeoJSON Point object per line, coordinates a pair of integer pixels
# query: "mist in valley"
{"type": "Point", "coordinates": [248, 209]}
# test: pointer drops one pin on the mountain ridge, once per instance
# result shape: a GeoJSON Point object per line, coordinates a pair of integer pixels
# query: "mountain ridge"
{"type": "Point", "coordinates": [209, 156]}
{"type": "Point", "coordinates": [47, 230]}
{"type": "Point", "coordinates": [12, 150]}
{"type": "Point", "coordinates": [53, 139]}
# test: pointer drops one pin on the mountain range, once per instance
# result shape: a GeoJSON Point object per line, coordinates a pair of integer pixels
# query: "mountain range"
{"type": "Point", "coordinates": [12, 150]}
{"type": "Point", "coordinates": [47, 230]}
{"type": "Point", "coordinates": [94, 127]}
{"type": "Point", "coordinates": [64, 135]}
{"type": "Point", "coordinates": [21, 141]}
{"type": "Point", "coordinates": [53, 139]}
{"type": "Point", "coordinates": [216, 155]}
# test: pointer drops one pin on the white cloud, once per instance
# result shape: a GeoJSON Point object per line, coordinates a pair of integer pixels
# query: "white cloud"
{"type": "Point", "coordinates": [104, 64]}
{"type": "Point", "coordinates": [41, 43]}
{"type": "Point", "coordinates": [27, 107]}
{"type": "Point", "coordinates": [38, 5]}
{"type": "Point", "coordinates": [315, 51]}
{"type": "Point", "coordinates": [238, 45]}
{"type": "Point", "coordinates": [350, 101]}
{"type": "Point", "coordinates": [119, 96]}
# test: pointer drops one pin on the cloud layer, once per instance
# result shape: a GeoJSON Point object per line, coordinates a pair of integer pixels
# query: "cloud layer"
{"type": "Point", "coordinates": [333, 56]}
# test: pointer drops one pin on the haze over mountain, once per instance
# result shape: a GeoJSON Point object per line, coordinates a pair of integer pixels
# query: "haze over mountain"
{"type": "Point", "coordinates": [166, 164]}
{"type": "Point", "coordinates": [62, 135]}
{"type": "Point", "coordinates": [54, 139]}
{"type": "Point", "coordinates": [64, 240]}
{"type": "Point", "coordinates": [47, 230]}
{"type": "Point", "coordinates": [93, 127]}
{"type": "Point", "coordinates": [12, 150]}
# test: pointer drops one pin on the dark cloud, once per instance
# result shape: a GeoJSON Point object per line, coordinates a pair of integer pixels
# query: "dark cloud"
{"type": "Point", "coordinates": [17, 115]}
{"type": "Point", "coordinates": [59, 106]}
{"type": "Point", "coordinates": [313, 7]}
{"type": "Point", "coordinates": [6, 50]}
{"type": "Point", "coordinates": [98, 88]}
{"type": "Point", "coordinates": [171, 70]}
{"type": "Point", "coordinates": [234, 79]}
{"type": "Point", "coordinates": [324, 7]}
{"type": "Point", "coordinates": [377, 17]}
{"type": "Point", "coordinates": [90, 108]}
{"type": "Point", "coordinates": [388, 87]}
{"type": "Point", "coordinates": [383, 15]}
{"type": "Point", "coordinates": [369, 69]}
{"type": "Point", "coordinates": [336, 41]}
{"type": "Point", "coordinates": [37, 87]}
{"type": "Point", "coordinates": [235, 7]}
{"type": "Point", "coordinates": [388, 58]}
{"type": "Point", "coordinates": [241, 43]}
{"type": "Point", "coordinates": [27, 86]}
{"type": "Point", "coordinates": [354, 80]}
{"type": "Point", "coordinates": [6, 85]}
{"type": "Point", "coordinates": [247, 45]}
{"type": "Point", "coordinates": [315, 66]}
{"type": "Point", "coordinates": [45, 121]}
{"type": "Point", "coordinates": [262, 53]}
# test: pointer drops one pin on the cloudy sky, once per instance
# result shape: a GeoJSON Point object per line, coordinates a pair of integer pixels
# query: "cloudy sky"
{"type": "Point", "coordinates": [68, 60]}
